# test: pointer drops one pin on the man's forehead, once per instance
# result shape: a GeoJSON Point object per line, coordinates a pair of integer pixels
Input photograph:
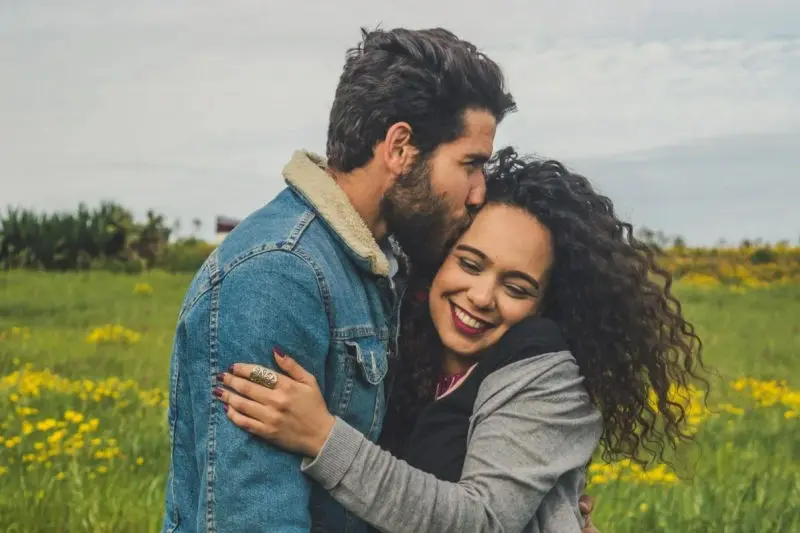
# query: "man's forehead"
{"type": "Point", "coordinates": [479, 131]}
{"type": "Point", "coordinates": [469, 148]}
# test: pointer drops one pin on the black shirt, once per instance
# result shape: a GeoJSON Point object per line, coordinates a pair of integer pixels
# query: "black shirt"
{"type": "Point", "coordinates": [438, 443]}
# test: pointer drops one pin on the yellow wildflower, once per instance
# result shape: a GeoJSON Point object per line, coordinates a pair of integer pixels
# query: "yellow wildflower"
{"type": "Point", "coordinates": [113, 333]}
{"type": "Point", "coordinates": [46, 425]}
{"type": "Point", "coordinates": [56, 436]}
{"type": "Point", "coordinates": [143, 288]}
{"type": "Point", "coordinates": [73, 416]}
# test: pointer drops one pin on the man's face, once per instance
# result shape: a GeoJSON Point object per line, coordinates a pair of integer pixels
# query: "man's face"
{"type": "Point", "coordinates": [429, 205]}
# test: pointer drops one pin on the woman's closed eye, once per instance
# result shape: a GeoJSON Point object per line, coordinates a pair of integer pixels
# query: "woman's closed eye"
{"type": "Point", "coordinates": [516, 291]}
{"type": "Point", "coordinates": [469, 265]}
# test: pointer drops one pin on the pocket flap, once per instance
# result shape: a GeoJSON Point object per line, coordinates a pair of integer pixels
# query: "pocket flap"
{"type": "Point", "coordinates": [371, 356]}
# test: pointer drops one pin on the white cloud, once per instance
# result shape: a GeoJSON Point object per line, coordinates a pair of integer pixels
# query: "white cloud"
{"type": "Point", "coordinates": [584, 98]}
{"type": "Point", "coordinates": [194, 109]}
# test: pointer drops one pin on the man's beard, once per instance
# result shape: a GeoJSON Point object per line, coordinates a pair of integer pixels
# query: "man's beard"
{"type": "Point", "coordinates": [420, 219]}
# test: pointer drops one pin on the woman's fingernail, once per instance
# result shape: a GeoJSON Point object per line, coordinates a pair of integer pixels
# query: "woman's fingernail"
{"type": "Point", "coordinates": [230, 369]}
{"type": "Point", "coordinates": [217, 392]}
{"type": "Point", "coordinates": [225, 407]}
{"type": "Point", "coordinates": [278, 352]}
{"type": "Point", "coordinates": [220, 377]}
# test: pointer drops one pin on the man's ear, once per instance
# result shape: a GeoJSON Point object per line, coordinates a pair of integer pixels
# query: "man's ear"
{"type": "Point", "coordinates": [398, 152]}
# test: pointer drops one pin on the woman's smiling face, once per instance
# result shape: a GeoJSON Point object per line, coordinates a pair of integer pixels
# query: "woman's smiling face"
{"type": "Point", "coordinates": [493, 278]}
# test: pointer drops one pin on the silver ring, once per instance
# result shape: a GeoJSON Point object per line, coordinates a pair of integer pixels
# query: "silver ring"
{"type": "Point", "coordinates": [264, 376]}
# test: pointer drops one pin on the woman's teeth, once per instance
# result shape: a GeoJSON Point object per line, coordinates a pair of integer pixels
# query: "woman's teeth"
{"type": "Point", "coordinates": [468, 320]}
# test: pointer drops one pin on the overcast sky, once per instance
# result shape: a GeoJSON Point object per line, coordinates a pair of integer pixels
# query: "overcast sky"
{"type": "Point", "coordinates": [687, 113]}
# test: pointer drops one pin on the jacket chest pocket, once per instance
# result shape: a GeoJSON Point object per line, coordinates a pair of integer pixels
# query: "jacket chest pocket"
{"type": "Point", "coordinates": [358, 383]}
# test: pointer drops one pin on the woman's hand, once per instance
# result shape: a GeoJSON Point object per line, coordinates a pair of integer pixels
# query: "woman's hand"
{"type": "Point", "coordinates": [586, 506]}
{"type": "Point", "coordinates": [293, 415]}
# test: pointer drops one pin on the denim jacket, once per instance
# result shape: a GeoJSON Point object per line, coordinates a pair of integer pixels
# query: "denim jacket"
{"type": "Point", "coordinates": [303, 273]}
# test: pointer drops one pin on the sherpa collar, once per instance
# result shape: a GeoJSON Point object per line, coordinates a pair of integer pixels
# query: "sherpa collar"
{"type": "Point", "coordinates": [305, 173]}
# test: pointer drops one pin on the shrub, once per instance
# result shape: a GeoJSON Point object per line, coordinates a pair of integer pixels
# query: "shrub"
{"type": "Point", "coordinates": [86, 239]}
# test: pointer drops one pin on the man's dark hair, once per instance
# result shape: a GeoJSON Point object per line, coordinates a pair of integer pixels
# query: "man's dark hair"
{"type": "Point", "coordinates": [427, 78]}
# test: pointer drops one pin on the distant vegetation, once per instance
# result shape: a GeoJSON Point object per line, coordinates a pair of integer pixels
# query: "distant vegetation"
{"type": "Point", "coordinates": [108, 238]}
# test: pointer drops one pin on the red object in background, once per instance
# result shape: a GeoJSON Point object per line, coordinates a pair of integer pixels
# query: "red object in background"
{"type": "Point", "coordinates": [226, 224]}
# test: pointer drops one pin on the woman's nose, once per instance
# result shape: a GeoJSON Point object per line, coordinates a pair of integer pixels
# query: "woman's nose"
{"type": "Point", "coordinates": [481, 295]}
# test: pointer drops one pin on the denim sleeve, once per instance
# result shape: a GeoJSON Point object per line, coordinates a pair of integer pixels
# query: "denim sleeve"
{"type": "Point", "coordinates": [270, 299]}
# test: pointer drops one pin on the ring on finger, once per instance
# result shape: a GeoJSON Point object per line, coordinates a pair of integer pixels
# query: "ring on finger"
{"type": "Point", "coordinates": [264, 376]}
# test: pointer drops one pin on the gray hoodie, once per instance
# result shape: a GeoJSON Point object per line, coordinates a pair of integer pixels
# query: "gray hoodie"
{"type": "Point", "coordinates": [532, 432]}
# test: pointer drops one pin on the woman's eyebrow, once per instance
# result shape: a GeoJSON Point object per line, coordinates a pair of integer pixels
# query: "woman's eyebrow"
{"type": "Point", "coordinates": [470, 249]}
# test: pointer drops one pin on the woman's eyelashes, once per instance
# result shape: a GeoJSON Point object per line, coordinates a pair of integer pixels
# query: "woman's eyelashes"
{"type": "Point", "coordinates": [469, 266]}
{"type": "Point", "coordinates": [474, 268]}
{"type": "Point", "coordinates": [518, 292]}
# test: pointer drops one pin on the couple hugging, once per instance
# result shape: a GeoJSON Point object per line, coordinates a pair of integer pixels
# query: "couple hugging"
{"type": "Point", "coordinates": [417, 335]}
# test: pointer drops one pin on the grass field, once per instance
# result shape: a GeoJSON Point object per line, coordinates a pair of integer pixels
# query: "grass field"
{"type": "Point", "coordinates": [83, 441]}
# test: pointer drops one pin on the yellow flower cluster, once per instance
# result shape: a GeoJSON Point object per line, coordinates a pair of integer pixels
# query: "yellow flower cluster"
{"type": "Point", "coordinates": [31, 441]}
{"type": "Point", "coordinates": [32, 383]}
{"type": "Point", "coordinates": [698, 279]}
{"type": "Point", "coordinates": [50, 439]}
{"type": "Point", "coordinates": [145, 289]}
{"type": "Point", "coordinates": [730, 409]}
{"type": "Point", "coordinates": [690, 399]}
{"type": "Point", "coordinates": [771, 393]}
{"type": "Point", "coordinates": [113, 333]}
{"type": "Point", "coordinates": [739, 269]}
{"type": "Point", "coordinates": [631, 472]}
{"type": "Point", "coordinates": [15, 333]}
{"type": "Point", "coordinates": [765, 393]}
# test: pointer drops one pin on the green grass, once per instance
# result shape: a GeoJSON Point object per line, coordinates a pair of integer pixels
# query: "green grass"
{"type": "Point", "coordinates": [744, 469]}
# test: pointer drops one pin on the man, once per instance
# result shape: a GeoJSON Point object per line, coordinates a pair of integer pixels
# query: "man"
{"type": "Point", "coordinates": [412, 124]}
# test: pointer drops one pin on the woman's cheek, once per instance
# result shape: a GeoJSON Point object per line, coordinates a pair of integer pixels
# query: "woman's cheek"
{"type": "Point", "coordinates": [447, 280]}
{"type": "Point", "coordinates": [516, 311]}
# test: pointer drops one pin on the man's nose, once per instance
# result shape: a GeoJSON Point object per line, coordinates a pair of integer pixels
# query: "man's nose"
{"type": "Point", "coordinates": [477, 193]}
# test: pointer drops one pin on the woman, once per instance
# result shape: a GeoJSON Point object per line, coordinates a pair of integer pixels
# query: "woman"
{"type": "Point", "coordinates": [543, 333]}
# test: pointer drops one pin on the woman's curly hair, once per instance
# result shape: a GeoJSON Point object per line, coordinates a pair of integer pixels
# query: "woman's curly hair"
{"type": "Point", "coordinates": [611, 300]}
